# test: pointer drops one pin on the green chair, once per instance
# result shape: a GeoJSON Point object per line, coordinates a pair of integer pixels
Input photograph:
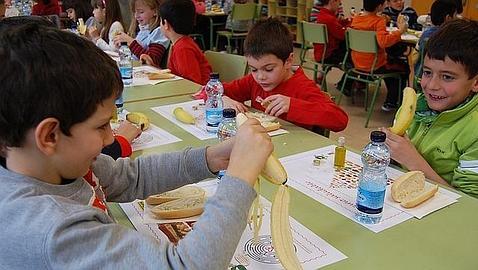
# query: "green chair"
{"type": "Point", "coordinates": [246, 11]}
{"type": "Point", "coordinates": [366, 42]}
{"type": "Point", "coordinates": [200, 38]}
{"type": "Point", "coordinates": [315, 33]}
{"type": "Point", "coordinates": [229, 66]}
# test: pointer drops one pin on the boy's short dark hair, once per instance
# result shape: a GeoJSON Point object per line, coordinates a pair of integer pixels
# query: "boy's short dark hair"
{"type": "Point", "coordinates": [269, 36]}
{"type": "Point", "coordinates": [50, 73]}
{"type": "Point", "coordinates": [180, 14]}
{"type": "Point", "coordinates": [440, 9]}
{"type": "Point", "coordinates": [457, 40]}
{"type": "Point", "coordinates": [371, 5]}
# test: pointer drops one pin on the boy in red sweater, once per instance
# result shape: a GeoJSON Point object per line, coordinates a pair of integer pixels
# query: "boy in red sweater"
{"type": "Point", "coordinates": [370, 21]}
{"type": "Point", "coordinates": [186, 58]}
{"type": "Point", "coordinates": [277, 88]}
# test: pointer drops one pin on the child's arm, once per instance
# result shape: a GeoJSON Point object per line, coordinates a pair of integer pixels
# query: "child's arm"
{"type": "Point", "coordinates": [404, 152]}
{"type": "Point", "coordinates": [115, 29]}
{"type": "Point", "coordinates": [156, 47]}
{"type": "Point", "coordinates": [241, 89]}
{"type": "Point", "coordinates": [387, 39]}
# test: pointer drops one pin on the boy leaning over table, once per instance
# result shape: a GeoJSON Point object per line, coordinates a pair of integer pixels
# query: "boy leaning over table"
{"type": "Point", "coordinates": [55, 182]}
{"type": "Point", "coordinates": [442, 140]}
{"type": "Point", "coordinates": [276, 87]}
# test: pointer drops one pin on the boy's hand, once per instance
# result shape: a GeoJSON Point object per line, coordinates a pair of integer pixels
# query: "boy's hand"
{"type": "Point", "coordinates": [146, 59]}
{"type": "Point", "coordinates": [128, 130]}
{"type": "Point", "coordinates": [122, 37]}
{"type": "Point", "coordinates": [231, 103]}
{"type": "Point", "coordinates": [278, 104]}
{"type": "Point", "coordinates": [401, 149]}
{"type": "Point", "coordinates": [251, 149]}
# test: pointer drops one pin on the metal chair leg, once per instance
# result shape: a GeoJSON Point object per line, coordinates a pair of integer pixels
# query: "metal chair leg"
{"type": "Point", "coordinates": [342, 89]}
{"type": "Point", "coordinates": [372, 104]}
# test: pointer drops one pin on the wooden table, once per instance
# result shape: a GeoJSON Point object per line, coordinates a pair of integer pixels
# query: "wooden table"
{"type": "Point", "coordinates": [447, 239]}
{"type": "Point", "coordinates": [160, 90]}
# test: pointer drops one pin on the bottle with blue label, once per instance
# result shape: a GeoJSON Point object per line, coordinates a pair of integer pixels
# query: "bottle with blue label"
{"type": "Point", "coordinates": [126, 64]}
{"type": "Point", "coordinates": [214, 104]}
{"type": "Point", "coordinates": [227, 129]}
{"type": "Point", "coordinates": [119, 108]}
{"type": "Point", "coordinates": [373, 179]}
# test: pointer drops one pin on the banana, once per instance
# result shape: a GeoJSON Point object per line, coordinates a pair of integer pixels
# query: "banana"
{"type": "Point", "coordinates": [405, 115]}
{"type": "Point", "coordinates": [280, 230]}
{"type": "Point", "coordinates": [183, 115]}
{"type": "Point", "coordinates": [281, 234]}
{"type": "Point", "coordinates": [139, 119]}
{"type": "Point", "coordinates": [273, 171]}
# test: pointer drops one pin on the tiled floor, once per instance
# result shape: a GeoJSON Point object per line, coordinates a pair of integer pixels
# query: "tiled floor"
{"type": "Point", "coordinates": [356, 135]}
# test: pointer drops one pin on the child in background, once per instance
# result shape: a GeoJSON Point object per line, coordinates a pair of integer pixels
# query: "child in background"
{"type": "Point", "coordinates": [146, 37]}
{"type": "Point", "coordinates": [397, 7]}
{"type": "Point", "coordinates": [370, 21]}
{"type": "Point", "coordinates": [237, 25]}
{"type": "Point", "coordinates": [440, 12]}
{"type": "Point", "coordinates": [53, 178]}
{"type": "Point", "coordinates": [107, 13]}
{"type": "Point", "coordinates": [442, 139]}
{"type": "Point", "coordinates": [46, 7]}
{"type": "Point", "coordinates": [186, 58]}
{"type": "Point", "coordinates": [76, 9]}
{"type": "Point", "coordinates": [277, 88]}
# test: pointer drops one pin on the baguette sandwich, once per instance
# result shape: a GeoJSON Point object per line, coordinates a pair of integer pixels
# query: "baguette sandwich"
{"type": "Point", "coordinates": [180, 208]}
{"type": "Point", "coordinates": [267, 121]}
{"type": "Point", "coordinates": [182, 192]}
{"type": "Point", "coordinates": [409, 189]}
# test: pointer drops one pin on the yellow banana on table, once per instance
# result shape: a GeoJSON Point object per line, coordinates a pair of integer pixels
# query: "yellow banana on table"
{"type": "Point", "coordinates": [139, 119]}
{"type": "Point", "coordinates": [405, 115]}
{"type": "Point", "coordinates": [183, 115]}
{"type": "Point", "coordinates": [281, 234]}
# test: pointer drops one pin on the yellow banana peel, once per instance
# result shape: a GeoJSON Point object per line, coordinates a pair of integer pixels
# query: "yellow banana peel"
{"type": "Point", "coordinates": [139, 119]}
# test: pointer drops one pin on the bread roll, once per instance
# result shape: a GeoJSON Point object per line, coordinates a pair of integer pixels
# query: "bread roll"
{"type": "Point", "coordinates": [182, 192]}
{"type": "Point", "coordinates": [160, 76]}
{"type": "Point", "coordinates": [267, 121]}
{"type": "Point", "coordinates": [180, 208]}
{"type": "Point", "coordinates": [409, 189]}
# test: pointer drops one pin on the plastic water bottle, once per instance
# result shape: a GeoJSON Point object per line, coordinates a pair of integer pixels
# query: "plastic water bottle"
{"type": "Point", "coordinates": [208, 5]}
{"type": "Point", "coordinates": [119, 108]}
{"type": "Point", "coordinates": [214, 91]}
{"type": "Point", "coordinates": [227, 128]}
{"type": "Point", "coordinates": [373, 180]}
{"type": "Point", "coordinates": [126, 64]}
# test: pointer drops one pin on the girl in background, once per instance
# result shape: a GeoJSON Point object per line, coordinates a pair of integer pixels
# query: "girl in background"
{"type": "Point", "coordinates": [46, 7]}
{"type": "Point", "coordinates": [76, 9]}
{"type": "Point", "coordinates": [107, 13]}
{"type": "Point", "coordinates": [145, 36]}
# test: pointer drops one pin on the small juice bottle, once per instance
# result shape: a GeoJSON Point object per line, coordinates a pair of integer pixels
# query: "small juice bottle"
{"type": "Point", "coordinates": [339, 157]}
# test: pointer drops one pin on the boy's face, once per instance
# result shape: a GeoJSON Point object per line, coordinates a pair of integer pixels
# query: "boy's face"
{"type": "Point", "coordinates": [269, 71]}
{"type": "Point", "coordinates": [76, 153]}
{"type": "Point", "coordinates": [446, 83]}
{"type": "Point", "coordinates": [396, 4]}
{"type": "Point", "coordinates": [143, 13]}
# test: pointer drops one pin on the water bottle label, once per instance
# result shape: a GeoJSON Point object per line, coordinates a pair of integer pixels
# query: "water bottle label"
{"type": "Point", "coordinates": [126, 72]}
{"type": "Point", "coordinates": [370, 202]}
{"type": "Point", "coordinates": [213, 116]}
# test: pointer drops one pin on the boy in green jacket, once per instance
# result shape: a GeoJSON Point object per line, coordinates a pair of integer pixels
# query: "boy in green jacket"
{"type": "Point", "coordinates": [442, 140]}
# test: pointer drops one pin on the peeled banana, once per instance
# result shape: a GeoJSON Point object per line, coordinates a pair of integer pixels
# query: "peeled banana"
{"type": "Point", "coordinates": [139, 119]}
{"type": "Point", "coordinates": [183, 115]}
{"type": "Point", "coordinates": [405, 115]}
{"type": "Point", "coordinates": [281, 234]}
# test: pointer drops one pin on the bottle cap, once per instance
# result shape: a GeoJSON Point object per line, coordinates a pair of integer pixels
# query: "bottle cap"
{"type": "Point", "coordinates": [214, 75]}
{"type": "Point", "coordinates": [341, 141]}
{"type": "Point", "coordinates": [229, 113]}
{"type": "Point", "coordinates": [124, 43]}
{"type": "Point", "coordinates": [377, 136]}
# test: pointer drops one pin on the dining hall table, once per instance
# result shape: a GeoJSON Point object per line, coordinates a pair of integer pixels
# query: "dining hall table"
{"type": "Point", "coordinates": [445, 239]}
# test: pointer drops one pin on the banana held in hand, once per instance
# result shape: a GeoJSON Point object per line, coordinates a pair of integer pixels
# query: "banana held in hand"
{"type": "Point", "coordinates": [139, 119]}
{"type": "Point", "coordinates": [405, 115]}
{"type": "Point", "coordinates": [183, 116]}
{"type": "Point", "coordinates": [281, 234]}
{"type": "Point", "coordinates": [273, 171]}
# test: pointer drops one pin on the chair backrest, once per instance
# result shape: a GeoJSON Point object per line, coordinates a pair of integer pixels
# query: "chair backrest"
{"type": "Point", "coordinates": [229, 66]}
{"type": "Point", "coordinates": [362, 41]}
{"type": "Point", "coordinates": [314, 33]}
{"type": "Point", "coordinates": [247, 11]}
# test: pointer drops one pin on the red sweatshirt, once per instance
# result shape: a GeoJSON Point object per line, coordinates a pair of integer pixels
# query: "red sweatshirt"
{"type": "Point", "coordinates": [363, 61]}
{"type": "Point", "coordinates": [309, 106]}
{"type": "Point", "coordinates": [188, 61]}
{"type": "Point", "coordinates": [335, 31]}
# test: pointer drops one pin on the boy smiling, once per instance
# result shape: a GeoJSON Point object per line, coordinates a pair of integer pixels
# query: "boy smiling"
{"type": "Point", "coordinates": [442, 139]}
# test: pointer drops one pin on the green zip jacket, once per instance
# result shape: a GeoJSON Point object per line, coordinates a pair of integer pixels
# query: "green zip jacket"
{"type": "Point", "coordinates": [449, 142]}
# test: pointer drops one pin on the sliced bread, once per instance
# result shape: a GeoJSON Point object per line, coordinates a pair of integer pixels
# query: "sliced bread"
{"type": "Point", "coordinates": [409, 189]}
{"type": "Point", "coordinates": [182, 192]}
{"type": "Point", "coordinates": [180, 208]}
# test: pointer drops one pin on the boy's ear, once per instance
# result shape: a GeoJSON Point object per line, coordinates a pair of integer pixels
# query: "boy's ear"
{"type": "Point", "coordinates": [474, 86]}
{"type": "Point", "coordinates": [289, 60]}
{"type": "Point", "coordinates": [47, 134]}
